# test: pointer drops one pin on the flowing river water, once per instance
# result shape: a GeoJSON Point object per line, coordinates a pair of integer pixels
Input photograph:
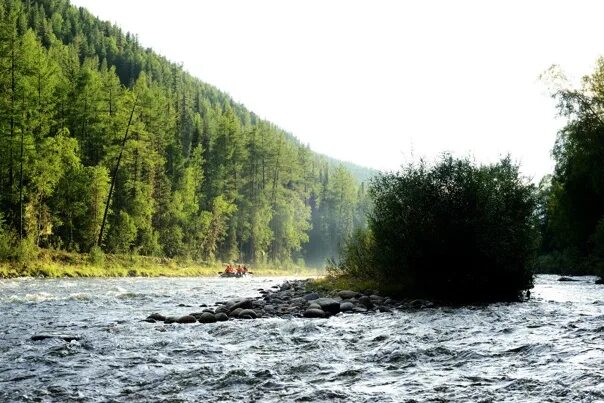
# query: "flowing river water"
{"type": "Point", "coordinates": [550, 348]}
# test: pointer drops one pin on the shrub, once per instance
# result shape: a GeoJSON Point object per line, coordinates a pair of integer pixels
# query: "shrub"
{"type": "Point", "coordinates": [451, 231]}
{"type": "Point", "coordinates": [96, 257]}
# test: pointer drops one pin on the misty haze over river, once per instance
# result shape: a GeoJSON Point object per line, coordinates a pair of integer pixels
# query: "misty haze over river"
{"type": "Point", "coordinates": [547, 349]}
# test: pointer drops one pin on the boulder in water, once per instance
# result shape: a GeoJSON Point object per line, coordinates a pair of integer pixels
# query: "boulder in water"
{"type": "Point", "coordinates": [186, 319]}
{"type": "Point", "coordinates": [346, 306]}
{"type": "Point", "coordinates": [207, 317]}
{"type": "Point", "coordinates": [221, 317]}
{"type": "Point", "coordinates": [66, 337]}
{"type": "Point", "coordinates": [329, 305]}
{"type": "Point", "coordinates": [314, 313]}
{"type": "Point", "coordinates": [243, 304]}
{"type": "Point", "coordinates": [365, 301]}
{"type": "Point", "coordinates": [157, 317]}
{"type": "Point", "coordinates": [563, 278]}
{"type": "Point", "coordinates": [248, 314]}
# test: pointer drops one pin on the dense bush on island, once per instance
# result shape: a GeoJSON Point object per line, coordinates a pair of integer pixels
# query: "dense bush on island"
{"type": "Point", "coordinates": [450, 231]}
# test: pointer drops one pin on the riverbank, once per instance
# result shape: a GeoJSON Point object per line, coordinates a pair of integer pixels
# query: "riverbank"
{"type": "Point", "coordinates": [59, 264]}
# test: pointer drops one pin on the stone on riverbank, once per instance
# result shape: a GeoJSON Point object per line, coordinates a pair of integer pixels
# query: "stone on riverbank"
{"type": "Point", "coordinates": [328, 305]}
{"type": "Point", "coordinates": [346, 306]}
{"type": "Point", "coordinates": [347, 294]}
{"type": "Point", "coordinates": [311, 296]}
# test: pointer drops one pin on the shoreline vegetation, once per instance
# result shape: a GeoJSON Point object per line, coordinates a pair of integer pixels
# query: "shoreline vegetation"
{"type": "Point", "coordinates": [61, 264]}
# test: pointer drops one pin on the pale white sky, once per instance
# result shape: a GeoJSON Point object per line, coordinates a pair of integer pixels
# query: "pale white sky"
{"type": "Point", "coordinates": [380, 83]}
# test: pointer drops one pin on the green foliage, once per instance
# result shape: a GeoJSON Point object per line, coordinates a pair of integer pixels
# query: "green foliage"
{"type": "Point", "coordinates": [200, 176]}
{"type": "Point", "coordinates": [573, 206]}
{"type": "Point", "coordinates": [452, 231]}
{"type": "Point", "coordinates": [96, 256]}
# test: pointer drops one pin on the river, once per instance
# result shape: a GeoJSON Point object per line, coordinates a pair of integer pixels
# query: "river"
{"type": "Point", "coordinates": [548, 349]}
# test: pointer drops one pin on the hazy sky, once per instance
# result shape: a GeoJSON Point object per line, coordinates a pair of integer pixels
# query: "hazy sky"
{"type": "Point", "coordinates": [382, 82]}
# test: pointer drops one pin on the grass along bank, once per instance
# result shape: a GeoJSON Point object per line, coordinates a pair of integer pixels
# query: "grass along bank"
{"type": "Point", "coordinates": [57, 264]}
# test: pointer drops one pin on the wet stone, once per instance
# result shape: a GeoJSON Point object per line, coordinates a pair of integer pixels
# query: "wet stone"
{"type": "Point", "coordinates": [346, 306]}
{"type": "Point", "coordinates": [329, 305]}
{"type": "Point", "coordinates": [314, 313]}
{"type": "Point", "coordinates": [221, 317]}
{"type": "Point", "coordinates": [157, 316]}
{"type": "Point", "coordinates": [186, 319]}
{"type": "Point", "coordinates": [365, 301]}
{"type": "Point", "coordinates": [248, 312]}
{"type": "Point", "coordinates": [235, 312]}
{"type": "Point", "coordinates": [207, 317]}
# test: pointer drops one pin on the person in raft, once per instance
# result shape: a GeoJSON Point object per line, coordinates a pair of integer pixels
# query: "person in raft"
{"type": "Point", "coordinates": [239, 269]}
{"type": "Point", "coordinates": [229, 269]}
{"type": "Point", "coordinates": [244, 269]}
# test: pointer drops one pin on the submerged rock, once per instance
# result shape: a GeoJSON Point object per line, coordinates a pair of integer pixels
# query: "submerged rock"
{"type": "Point", "coordinates": [157, 317]}
{"type": "Point", "coordinates": [66, 337]}
{"type": "Point", "coordinates": [567, 279]}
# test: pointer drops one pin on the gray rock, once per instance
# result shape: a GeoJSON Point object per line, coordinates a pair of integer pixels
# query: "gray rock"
{"type": "Point", "coordinates": [365, 301]}
{"type": "Point", "coordinates": [269, 308]}
{"type": "Point", "coordinates": [346, 306]}
{"type": "Point", "coordinates": [359, 309]}
{"type": "Point", "coordinates": [376, 299]}
{"type": "Point", "coordinates": [248, 312]}
{"type": "Point", "coordinates": [157, 316]}
{"type": "Point", "coordinates": [329, 305]}
{"type": "Point", "coordinates": [314, 306]}
{"type": "Point", "coordinates": [222, 309]}
{"type": "Point", "coordinates": [235, 312]}
{"type": "Point", "coordinates": [314, 313]}
{"type": "Point", "coordinates": [384, 309]}
{"type": "Point", "coordinates": [348, 294]}
{"type": "Point", "coordinates": [186, 319]}
{"type": "Point", "coordinates": [222, 317]}
{"type": "Point", "coordinates": [311, 296]}
{"type": "Point", "coordinates": [170, 319]}
{"type": "Point", "coordinates": [207, 317]}
{"type": "Point", "coordinates": [67, 338]}
{"type": "Point", "coordinates": [243, 304]}
{"type": "Point", "coordinates": [298, 301]}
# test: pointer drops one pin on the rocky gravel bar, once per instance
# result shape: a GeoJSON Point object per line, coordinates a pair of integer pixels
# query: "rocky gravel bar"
{"type": "Point", "coordinates": [293, 300]}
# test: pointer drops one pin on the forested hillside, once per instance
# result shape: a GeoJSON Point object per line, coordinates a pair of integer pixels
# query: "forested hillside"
{"type": "Point", "coordinates": [85, 110]}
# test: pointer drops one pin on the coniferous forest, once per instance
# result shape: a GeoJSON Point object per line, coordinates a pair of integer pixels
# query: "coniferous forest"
{"type": "Point", "coordinates": [88, 115]}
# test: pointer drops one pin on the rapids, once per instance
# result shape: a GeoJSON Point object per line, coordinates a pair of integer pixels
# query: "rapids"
{"type": "Point", "coordinates": [547, 349]}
